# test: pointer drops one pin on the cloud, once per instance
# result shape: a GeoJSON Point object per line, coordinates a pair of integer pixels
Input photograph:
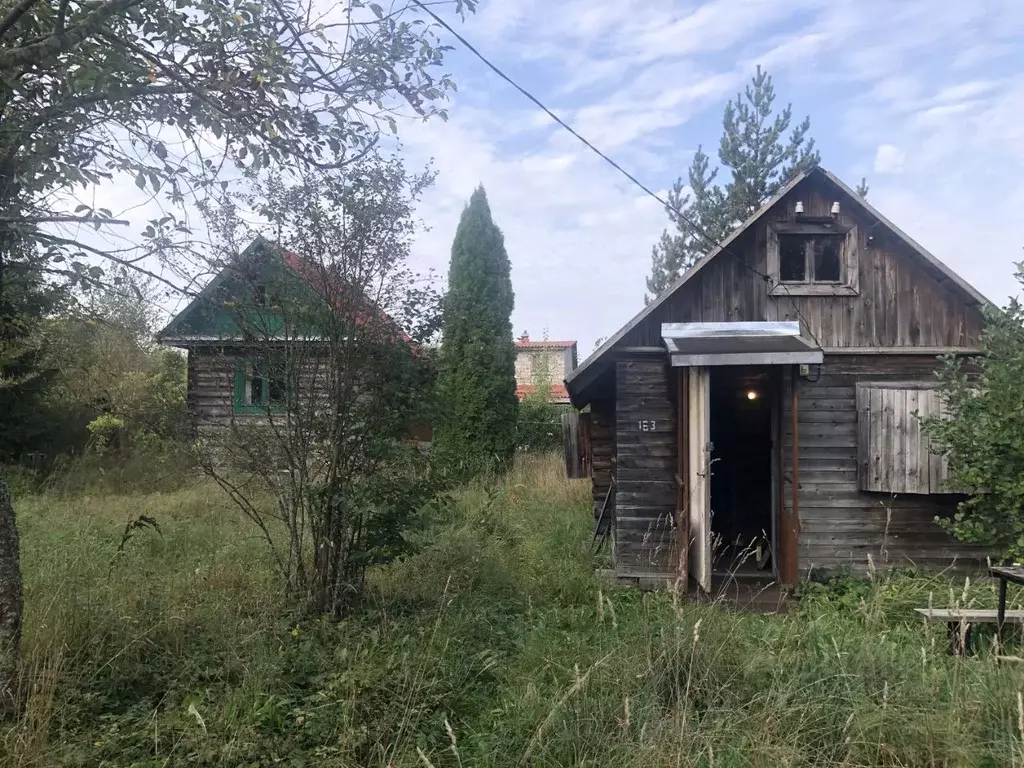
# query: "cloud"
{"type": "Point", "coordinates": [646, 82]}
{"type": "Point", "coordinates": [922, 97]}
{"type": "Point", "coordinates": [889, 159]}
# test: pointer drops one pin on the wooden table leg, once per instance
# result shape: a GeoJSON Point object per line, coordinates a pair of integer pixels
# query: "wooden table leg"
{"type": "Point", "coordinates": [1001, 612]}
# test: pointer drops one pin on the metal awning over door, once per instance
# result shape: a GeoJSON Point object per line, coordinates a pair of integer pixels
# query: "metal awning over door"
{"type": "Point", "coordinates": [747, 343]}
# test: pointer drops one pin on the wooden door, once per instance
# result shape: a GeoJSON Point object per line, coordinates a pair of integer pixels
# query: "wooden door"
{"type": "Point", "coordinates": [699, 468]}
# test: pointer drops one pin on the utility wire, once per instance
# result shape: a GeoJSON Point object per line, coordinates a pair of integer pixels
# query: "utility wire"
{"type": "Point", "coordinates": [710, 241]}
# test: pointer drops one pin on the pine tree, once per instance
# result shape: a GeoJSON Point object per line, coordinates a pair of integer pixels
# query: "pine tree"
{"type": "Point", "coordinates": [760, 159]}
{"type": "Point", "coordinates": [752, 147]}
{"type": "Point", "coordinates": [703, 219]}
{"type": "Point", "coordinates": [476, 372]}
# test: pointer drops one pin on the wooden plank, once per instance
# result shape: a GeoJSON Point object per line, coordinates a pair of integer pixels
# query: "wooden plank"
{"type": "Point", "coordinates": [790, 540]}
{"type": "Point", "coordinates": [898, 441]}
{"type": "Point", "coordinates": [834, 416]}
{"type": "Point", "coordinates": [912, 442]}
{"type": "Point", "coordinates": [973, 615]}
{"type": "Point", "coordinates": [809, 391]}
{"type": "Point", "coordinates": [876, 417]}
{"type": "Point", "coordinates": [699, 559]}
{"type": "Point", "coordinates": [847, 430]}
{"type": "Point", "coordinates": [923, 351]}
{"type": "Point", "coordinates": [683, 512]}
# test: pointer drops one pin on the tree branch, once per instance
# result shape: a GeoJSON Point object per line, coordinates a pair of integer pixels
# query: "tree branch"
{"type": "Point", "coordinates": [129, 263]}
{"type": "Point", "coordinates": [15, 15]}
{"type": "Point", "coordinates": [61, 41]}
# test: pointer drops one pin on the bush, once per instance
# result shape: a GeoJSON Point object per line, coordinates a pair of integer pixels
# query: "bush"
{"type": "Point", "coordinates": [983, 436]}
{"type": "Point", "coordinates": [539, 426]}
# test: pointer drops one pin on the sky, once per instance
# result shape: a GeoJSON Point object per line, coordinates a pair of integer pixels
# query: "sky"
{"type": "Point", "coordinates": [925, 98]}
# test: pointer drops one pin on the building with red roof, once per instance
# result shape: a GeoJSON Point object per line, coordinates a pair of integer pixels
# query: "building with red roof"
{"type": "Point", "coordinates": [543, 362]}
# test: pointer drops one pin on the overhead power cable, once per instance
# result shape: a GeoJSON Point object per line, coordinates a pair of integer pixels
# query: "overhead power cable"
{"type": "Point", "coordinates": [711, 242]}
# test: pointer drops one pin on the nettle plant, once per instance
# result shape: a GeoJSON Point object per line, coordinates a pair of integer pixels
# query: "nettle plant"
{"type": "Point", "coordinates": [983, 434]}
{"type": "Point", "coordinates": [335, 383]}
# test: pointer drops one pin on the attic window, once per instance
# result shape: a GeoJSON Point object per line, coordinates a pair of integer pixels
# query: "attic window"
{"type": "Point", "coordinates": [811, 260]}
{"type": "Point", "coordinates": [792, 259]}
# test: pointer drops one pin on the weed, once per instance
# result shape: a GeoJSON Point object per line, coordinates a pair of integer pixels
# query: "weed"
{"type": "Point", "coordinates": [495, 644]}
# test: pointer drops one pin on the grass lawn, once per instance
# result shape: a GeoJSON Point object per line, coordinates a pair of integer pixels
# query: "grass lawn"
{"type": "Point", "coordinates": [495, 645]}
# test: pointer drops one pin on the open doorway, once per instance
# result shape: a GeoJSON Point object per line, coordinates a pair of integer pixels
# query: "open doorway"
{"type": "Point", "coordinates": [743, 427]}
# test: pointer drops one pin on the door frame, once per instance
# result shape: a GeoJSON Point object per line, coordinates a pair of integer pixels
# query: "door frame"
{"type": "Point", "coordinates": [693, 520]}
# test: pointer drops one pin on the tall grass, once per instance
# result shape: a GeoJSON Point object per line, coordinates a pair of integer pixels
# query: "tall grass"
{"type": "Point", "coordinates": [495, 645]}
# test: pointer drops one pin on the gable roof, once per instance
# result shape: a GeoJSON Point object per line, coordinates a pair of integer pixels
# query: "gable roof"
{"type": "Point", "coordinates": [331, 287]}
{"type": "Point", "coordinates": [971, 293]}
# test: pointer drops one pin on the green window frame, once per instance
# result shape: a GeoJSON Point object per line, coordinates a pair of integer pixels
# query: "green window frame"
{"type": "Point", "coordinates": [261, 386]}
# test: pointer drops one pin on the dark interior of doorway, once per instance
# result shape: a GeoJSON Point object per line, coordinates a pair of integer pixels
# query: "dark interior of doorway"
{"type": "Point", "coordinates": [742, 427]}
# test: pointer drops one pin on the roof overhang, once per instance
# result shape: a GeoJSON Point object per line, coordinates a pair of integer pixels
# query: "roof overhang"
{"type": "Point", "coordinates": [741, 343]}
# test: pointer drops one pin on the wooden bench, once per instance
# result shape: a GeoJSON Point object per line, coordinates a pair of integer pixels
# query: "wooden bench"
{"type": "Point", "coordinates": [955, 618]}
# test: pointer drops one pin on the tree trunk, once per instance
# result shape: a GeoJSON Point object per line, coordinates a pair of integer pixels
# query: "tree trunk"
{"type": "Point", "coordinates": [10, 603]}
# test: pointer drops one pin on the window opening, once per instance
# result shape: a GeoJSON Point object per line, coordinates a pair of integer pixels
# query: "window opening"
{"type": "Point", "coordinates": [810, 258]}
{"type": "Point", "coordinates": [792, 258]}
{"type": "Point", "coordinates": [826, 260]}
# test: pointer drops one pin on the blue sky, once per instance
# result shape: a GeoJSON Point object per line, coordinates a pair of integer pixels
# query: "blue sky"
{"type": "Point", "coordinates": [923, 97]}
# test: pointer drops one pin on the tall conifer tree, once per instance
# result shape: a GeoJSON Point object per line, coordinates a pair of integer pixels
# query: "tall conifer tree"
{"type": "Point", "coordinates": [476, 376]}
{"type": "Point", "coordinates": [760, 158]}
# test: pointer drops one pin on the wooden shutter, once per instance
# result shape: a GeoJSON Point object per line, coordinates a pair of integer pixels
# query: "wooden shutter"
{"type": "Point", "coordinates": [893, 453]}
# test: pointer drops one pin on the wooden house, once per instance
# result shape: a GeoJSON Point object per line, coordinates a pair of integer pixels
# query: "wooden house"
{"type": "Point", "coordinates": [762, 414]}
{"type": "Point", "coordinates": [251, 346]}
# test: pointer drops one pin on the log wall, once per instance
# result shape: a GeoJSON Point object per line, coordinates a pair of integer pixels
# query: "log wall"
{"type": "Point", "coordinates": [602, 446]}
{"type": "Point", "coordinates": [839, 524]}
{"type": "Point", "coordinates": [646, 464]}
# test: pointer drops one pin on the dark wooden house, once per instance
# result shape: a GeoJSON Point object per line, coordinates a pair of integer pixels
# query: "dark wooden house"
{"type": "Point", "coordinates": [250, 349]}
{"type": "Point", "coordinates": [762, 415]}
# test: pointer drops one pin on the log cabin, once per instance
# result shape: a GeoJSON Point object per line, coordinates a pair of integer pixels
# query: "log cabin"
{"type": "Point", "coordinates": [251, 347]}
{"type": "Point", "coordinates": [761, 416]}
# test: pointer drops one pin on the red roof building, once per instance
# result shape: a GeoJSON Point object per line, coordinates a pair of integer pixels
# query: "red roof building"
{"type": "Point", "coordinates": [544, 359]}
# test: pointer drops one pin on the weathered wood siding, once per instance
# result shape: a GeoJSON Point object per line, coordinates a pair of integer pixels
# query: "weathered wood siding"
{"type": "Point", "coordinates": [211, 387]}
{"type": "Point", "coordinates": [902, 301]}
{"type": "Point", "coordinates": [646, 467]}
{"type": "Point", "coordinates": [839, 524]}
{"type": "Point", "coordinates": [893, 453]}
{"type": "Point", "coordinates": [576, 451]}
{"type": "Point", "coordinates": [602, 447]}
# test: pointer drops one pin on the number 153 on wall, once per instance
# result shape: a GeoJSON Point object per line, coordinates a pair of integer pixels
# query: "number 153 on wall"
{"type": "Point", "coordinates": [647, 425]}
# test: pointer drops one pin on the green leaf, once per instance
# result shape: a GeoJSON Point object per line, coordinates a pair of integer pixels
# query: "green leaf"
{"type": "Point", "coordinates": [140, 180]}
{"type": "Point", "coordinates": [377, 10]}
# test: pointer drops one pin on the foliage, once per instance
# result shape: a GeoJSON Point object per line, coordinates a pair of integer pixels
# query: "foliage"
{"type": "Point", "coordinates": [476, 370]}
{"type": "Point", "coordinates": [983, 436]}
{"type": "Point", "coordinates": [106, 431]}
{"type": "Point", "coordinates": [26, 300]}
{"type": "Point", "coordinates": [106, 367]}
{"type": "Point", "coordinates": [539, 420]}
{"type": "Point", "coordinates": [11, 605]}
{"type": "Point", "coordinates": [334, 448]}
{"type": "Point", "coordinates": [183, 96]}
{"type": "Point", "coordinates": [497, 644]}
{"type": "Point", "coordinates": [760, 160]}
{"type": "Point", "coordinates": [539, 425]}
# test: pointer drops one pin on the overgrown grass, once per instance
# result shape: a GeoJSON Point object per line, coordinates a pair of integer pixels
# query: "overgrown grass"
{"type": "Point", "coordinates": [495, 645]}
